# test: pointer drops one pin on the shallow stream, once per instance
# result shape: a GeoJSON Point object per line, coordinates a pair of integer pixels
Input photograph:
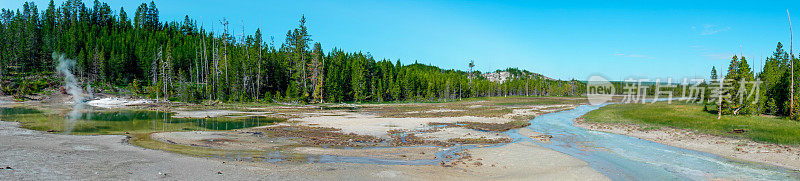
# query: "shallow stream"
{"type": "Point", "coordinates": [617, 156]}
{"type": "Point", "coordinates": [627, 158]}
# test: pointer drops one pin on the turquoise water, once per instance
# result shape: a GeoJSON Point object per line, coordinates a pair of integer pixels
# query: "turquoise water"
{"type": "Point", "coordinates": [627, 158]}
{"type": "Point", "coordinates": [617, 156]}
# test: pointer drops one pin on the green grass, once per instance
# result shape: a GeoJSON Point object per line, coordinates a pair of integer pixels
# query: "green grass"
{"type": "Point", "coordinates": [692, 116]}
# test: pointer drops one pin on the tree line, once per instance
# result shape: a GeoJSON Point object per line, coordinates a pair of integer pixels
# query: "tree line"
{"type": "Point", "coordinates": [772, 96]}
{"type": "Point", "coordinates": [183, 61]}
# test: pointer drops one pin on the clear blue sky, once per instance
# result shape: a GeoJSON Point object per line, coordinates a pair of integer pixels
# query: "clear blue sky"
{"type": "Point", "coordinates": [561, 39]}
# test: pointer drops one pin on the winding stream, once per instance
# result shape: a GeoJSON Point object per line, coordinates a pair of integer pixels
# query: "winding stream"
{"type": "Point", "coordinates": [617, 156]}
{"type": "Point", "coordinates": [627, 158]}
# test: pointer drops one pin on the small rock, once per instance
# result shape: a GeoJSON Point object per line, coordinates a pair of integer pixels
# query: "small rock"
{"type": "Point", "coordinates": [8, 168]}
{"type": "Point", "coordinates": [219, 173]}
{"type": "Point", "coordinates": [739, 130]}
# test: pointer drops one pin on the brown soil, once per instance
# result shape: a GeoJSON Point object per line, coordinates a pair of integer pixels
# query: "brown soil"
{"type": "Point", "coordinates": [479, 140]}
{"type": "Point", "coordinates": [321, 136]}
{"type": "Point", "coordinates": [499, 127]}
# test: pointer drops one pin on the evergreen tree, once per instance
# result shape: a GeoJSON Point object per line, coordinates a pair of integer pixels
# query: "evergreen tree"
{"type": "Point", "coordinates": [775, 81]}
{"type": "Point", "coordinates": [182, 60]}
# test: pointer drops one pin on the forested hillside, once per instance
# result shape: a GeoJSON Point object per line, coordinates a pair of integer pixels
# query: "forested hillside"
{"type": "Point", "coordinates": [183, 61]}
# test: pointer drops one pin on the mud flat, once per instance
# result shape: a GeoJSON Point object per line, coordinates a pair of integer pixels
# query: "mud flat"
{"type": "Point", "coordinates": [384, 131]}
{"type": "Point", "coordinates": [738, 149]}
{"type": "Point", "coordinates": [379, 126]}
{"type": "Point", "coordinates": [526, 160]}
{"type": "Point", "coordinates": [232, 140]}
{"type": "Point", "coordinates": [35, 155]}
{"type": "Point", "coordinates": [115, 102]}
{"type": "Point", "coordinates": [396, 153]}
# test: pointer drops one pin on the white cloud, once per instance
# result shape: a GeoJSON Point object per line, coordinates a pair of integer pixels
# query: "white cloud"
{"type": "Point", "coordinates": [710, 29]}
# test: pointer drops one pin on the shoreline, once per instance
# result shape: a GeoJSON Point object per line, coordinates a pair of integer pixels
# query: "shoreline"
{"type": "Point", "coordinates": [38, 154]}
{"type": "Point", "coordinates": [784, 156]}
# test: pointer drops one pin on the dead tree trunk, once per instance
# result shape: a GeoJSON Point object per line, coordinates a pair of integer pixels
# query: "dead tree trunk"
{"type": "Point", "coordinates": [791, 65]}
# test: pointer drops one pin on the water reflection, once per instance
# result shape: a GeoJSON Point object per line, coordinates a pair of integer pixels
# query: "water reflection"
{"type": "Point", "coordinates": [120, 121]}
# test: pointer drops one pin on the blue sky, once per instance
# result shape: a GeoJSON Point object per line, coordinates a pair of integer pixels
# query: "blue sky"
{"type": "Point", "coordinates": [561, 39]}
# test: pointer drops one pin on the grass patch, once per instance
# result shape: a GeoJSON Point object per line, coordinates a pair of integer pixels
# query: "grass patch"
{"type": "Point", "coordinates": [692, 116]}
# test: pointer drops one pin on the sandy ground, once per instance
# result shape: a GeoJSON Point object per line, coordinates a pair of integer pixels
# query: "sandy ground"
{"type": "Point", "coordinates": [538, 110]}
{"type": "Point", "coordinates": [396, 153]}
{"type": "Point", "coordinates": [436, 111]}
{"type": "Point", "coordinates": [444, 134]}
{"type": "Point", "coordinates": [379, 126]}
{"type": "Point", "coordinates": [5, 100]}
{"type": "Point", "coordinates": [35, 155]}
{"type": "Point", "coordinates": [511, 161]}
{"type": "Point", "coordinates": [232, 140]}
{"type": "Point", "coordinates": [114, 102]}
{"type": "Point", "coordinates": [780, 155]}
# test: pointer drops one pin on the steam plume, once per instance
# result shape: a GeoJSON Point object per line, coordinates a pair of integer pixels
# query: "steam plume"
{"type": "Point", "coordinates": [71, 84]}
